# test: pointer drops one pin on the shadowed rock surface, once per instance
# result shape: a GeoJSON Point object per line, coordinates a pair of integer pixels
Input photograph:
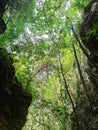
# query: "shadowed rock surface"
{"type": "Point", "coordinates": [14, 101]}
{"type": "Point", "coordinates": [87, 110]}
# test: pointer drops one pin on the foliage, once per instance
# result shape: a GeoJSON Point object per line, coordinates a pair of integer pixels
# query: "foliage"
{"type": "Point", "coordinates": [40, 39]}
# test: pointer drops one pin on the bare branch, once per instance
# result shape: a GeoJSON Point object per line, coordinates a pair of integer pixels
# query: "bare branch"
{"type": "Point", "coordinates": [66, 87]}
{"type": "Point", "coordinates": [80, 72]}
{"type": "Point", "coordinates": [80, 44]}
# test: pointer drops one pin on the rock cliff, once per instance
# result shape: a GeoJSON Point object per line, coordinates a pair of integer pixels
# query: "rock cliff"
{"type": "Point", "coordinates": [14, 101]}
{"type": "Point", "coordinates": [87, 109]}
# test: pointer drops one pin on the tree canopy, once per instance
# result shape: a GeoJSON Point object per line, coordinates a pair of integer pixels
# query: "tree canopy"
{"type": "Point", "coordinates": [40, 38]}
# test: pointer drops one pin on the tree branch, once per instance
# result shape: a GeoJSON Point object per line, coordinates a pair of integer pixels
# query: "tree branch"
{"type": "Point", "coordinates": [66, 87]}
{"type": "Point", "coordinates": [81, 46]}
{"type": "Point", "coordinates": [80, 72]}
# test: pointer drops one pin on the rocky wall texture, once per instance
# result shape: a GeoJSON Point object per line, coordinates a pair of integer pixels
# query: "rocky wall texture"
{"type": "Point", "coordinates": [87, 109]}
{"type": "Point", "coordinates": [14, 101]}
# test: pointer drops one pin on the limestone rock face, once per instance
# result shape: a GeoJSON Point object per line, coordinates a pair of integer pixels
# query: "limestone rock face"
{"type": "Point", "coordinates": [89, 27]}
{"type": "Point", "coordinates": [89, 36]}
{"type": "Point", "coordinates": [87, 109]}
{"type": "Point", "coordinates": [14, 101]}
